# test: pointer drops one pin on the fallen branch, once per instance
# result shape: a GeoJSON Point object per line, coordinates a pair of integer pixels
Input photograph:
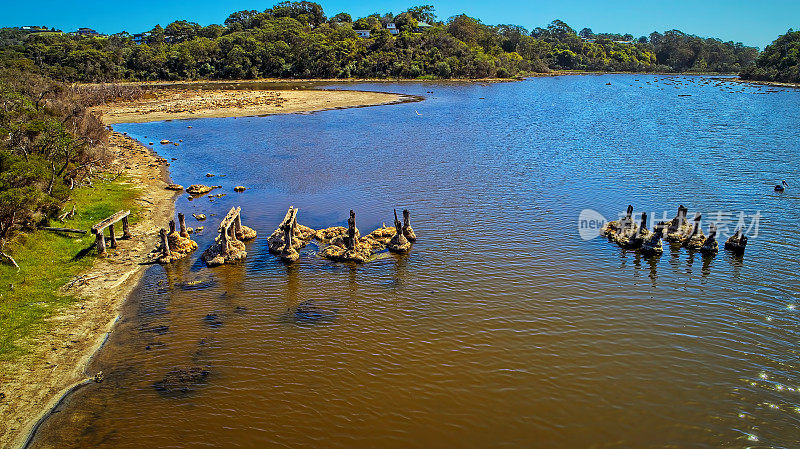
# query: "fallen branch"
{"type": "Point", "coordinates": [76, 231]}
{"type": "Point", "coordinates": [9, 260]}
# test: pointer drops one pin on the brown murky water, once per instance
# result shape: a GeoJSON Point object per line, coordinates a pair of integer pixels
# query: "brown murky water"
{"type": "Point", "coordinates": [502, 327]}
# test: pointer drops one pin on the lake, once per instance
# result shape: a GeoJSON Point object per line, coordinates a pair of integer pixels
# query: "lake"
{"type": "Point", "coordinates": [504, 326]}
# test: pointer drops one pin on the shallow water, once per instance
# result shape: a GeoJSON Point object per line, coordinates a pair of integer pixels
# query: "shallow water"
{"type": "Point", "coordinates": [502, 327]}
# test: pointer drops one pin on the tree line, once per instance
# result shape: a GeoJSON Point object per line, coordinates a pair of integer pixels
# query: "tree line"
{"type": "Point", "coordinates": [298, 40]}
{"type": "Point", "coordinates": [780, 61]}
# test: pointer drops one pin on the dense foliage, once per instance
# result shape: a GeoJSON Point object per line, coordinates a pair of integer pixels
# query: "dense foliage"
{"type": "Point", "coordinates": [780, 61]}
{"type": "Point", "coordinates": [48, 144]}
{"type": "Point", "coordinates": [297, 40]}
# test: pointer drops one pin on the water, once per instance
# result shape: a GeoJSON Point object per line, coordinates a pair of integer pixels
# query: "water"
{"type": "Point", "coordinates": [502, 327]}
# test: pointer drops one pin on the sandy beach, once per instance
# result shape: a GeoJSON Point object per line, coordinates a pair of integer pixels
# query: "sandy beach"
{"type": "Point", "coordinates": [183, 103]}
{"type": "Point", "coordinates": [34, 384]}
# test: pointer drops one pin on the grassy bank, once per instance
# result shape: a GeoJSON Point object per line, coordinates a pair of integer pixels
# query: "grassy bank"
{"type": "Point", "coordinates": [48, 260]}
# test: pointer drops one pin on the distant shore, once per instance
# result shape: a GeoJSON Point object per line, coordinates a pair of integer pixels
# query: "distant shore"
{"type": "Point", "coordinates": [767, 83]}
{"type": "Point", "coordinates": [187, 101]}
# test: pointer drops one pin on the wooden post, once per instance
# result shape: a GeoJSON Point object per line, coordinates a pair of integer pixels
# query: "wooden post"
{"type": "Point", "coordinates": [111, 237]}
{"type": "Point", "coordinates": [100, 241]}
{"type": "Point", "coordinates": [171, 226]}
{"type": "Point", "coordinates": [237, 223]}
{"type": "Point", "coordinates": [351, 231]}
{"type": "Point", "coordinates": [182, 224]}
{"type": "Point", "coordinates": [406, 219]}
{"type": "Point", "coordinates": [397, 226]}
{"type": "Point", "coordinates": [126, 231]}
{"type": "Point", "coordinates": [223, 239]}
{"type": "Point", "coordinates": [288, 234]}
{"type": "Point", "coordinates": [165, 242]}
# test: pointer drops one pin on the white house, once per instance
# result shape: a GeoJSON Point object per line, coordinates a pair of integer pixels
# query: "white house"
{"type": "Point", "coordinates": [392, 28]}
{"type": "Point", "coordinates": [362, 33]}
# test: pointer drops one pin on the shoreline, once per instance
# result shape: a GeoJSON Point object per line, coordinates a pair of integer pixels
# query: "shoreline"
{"type": "Point", "coordinates": [768, 83]}
{"type": "Point", "coordinates": [183, 103]}
{"type": "Point", "coordinates": [37, 383]}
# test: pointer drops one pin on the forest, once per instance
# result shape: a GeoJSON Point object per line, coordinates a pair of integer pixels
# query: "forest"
{"type": "Point", "coordinates": [298, 40]}
{"type": "Point", "coordinates": [780, 61]}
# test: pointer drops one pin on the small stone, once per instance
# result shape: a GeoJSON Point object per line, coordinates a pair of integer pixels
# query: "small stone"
{"type": "Point", "coordinates": [199, 217]}
{"type": "Point", "coordinates": [98, 377]}
{"type": "Point", "coordinates": [209, 175]}
{"type": "Point", "coordinates": [239, 189]}
{"type": "Point", "coordinates": [165, 142]}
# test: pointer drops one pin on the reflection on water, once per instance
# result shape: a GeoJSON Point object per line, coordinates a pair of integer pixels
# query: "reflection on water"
{"type": "Point", "coordinates": [502, 327]}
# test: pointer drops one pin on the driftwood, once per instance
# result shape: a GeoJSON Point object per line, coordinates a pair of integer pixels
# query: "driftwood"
{"type": "Point", "coordinates": [9, 260]}
{"type": "Point", "coordinates": [76, 231]}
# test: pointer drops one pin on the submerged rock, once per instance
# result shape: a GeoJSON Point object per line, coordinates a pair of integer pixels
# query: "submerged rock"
{"type": "Point", "coordinates": [182, 381]}
{"type": "Point", "coordinates": [310, 312]}
{"type": "Point", "coordinates": [737, 242]}
{"type": "Point", "coordinates": [239, 189]}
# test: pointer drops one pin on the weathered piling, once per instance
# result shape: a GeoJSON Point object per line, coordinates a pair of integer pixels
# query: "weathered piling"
{"type": "Point", "coordinates": [165, 244]}
{"type": "Point", "coordinates": [651, 244]}
{"type": "Point", "coordinates": [226, 247]}
{"type": "Point", "coordinates": [408, 231]}
{"type": "Point", "coordinates": [696, 237]}
{"type": "Point", "coordinates": [737, 242]}
{"type": "Point", "coordinates": [182, 222]}
{"type": "Point", "coordinates": [710, 245]}
{"type": "Point", "coordinates": [399, 243]}
{"type": "Point", "coordinates": [301, 235]}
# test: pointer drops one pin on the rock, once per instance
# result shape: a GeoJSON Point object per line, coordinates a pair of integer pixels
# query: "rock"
{"type": "Point", "coordinates": [182, 381]}
{"type": "Point", "coordinates": [199, 217]}
{"type": "Point", "coordinates": [200, 189]}
{"type": "Point", "coordinates": [239, 189]}
{"type": "Point", "coordinates": [209, 175]}
{"type": "Point", "coordinates": [199, 228]}
{"type": "Point", "coordinates": [175, 143]}
{"type": "Point", "coordinates": [98, 377]}
{"type": "Point", "coordinates": [190, 230]}
{"type": "Point", "coordinates": [176, 187]}
{"type": "Point", "coordinates": [165, 142]}
{"type": "Point", "coordinates": [308, 312]}
{"type": "Point", "coordinates": [151, 144]}
{"type": "Point", "coordinates": [213, 320]}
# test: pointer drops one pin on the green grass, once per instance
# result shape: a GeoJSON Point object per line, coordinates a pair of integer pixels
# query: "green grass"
{"type": "Point", "coordinates": [47, 260]}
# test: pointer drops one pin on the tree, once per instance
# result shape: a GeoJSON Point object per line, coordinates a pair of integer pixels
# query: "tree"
{"type": "Point", "coordinates": [424, 13]}
{"type": "Point", "coordinates": [342, 17]}
{"type": "Point", "coordinates": [586, 33]}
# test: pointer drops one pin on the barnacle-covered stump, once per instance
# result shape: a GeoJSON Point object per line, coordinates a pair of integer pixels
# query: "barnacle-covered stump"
{"type": "Point", "coordinates": [348, 247]}
{"type": "Point", "coordinates": [399, 243]}
{"type": "Point", "coordinates": [678, 228]}
{"type": "Point", "coordinates": [651, 242]}
{"type": "Point", "coordinates": [300, 235]}
{"type": "Point", "coordinates": [408, 231]}
{"type": "Point", "coordinates": [737, 242]}
{"type": "Point", "coordinates": [696, 238]}
{"type": "Point", "coordinates": [227, 247]}
{"type": "Point", "coordinates": [614, 227]}
{"type": "Point", "coordinates": [174, 245]}
{"type": "Point", "coordinates": [710, 245]}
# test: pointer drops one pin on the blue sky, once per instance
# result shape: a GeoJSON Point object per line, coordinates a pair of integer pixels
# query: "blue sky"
{"type": "Point", "coordinates": [751, 22]}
